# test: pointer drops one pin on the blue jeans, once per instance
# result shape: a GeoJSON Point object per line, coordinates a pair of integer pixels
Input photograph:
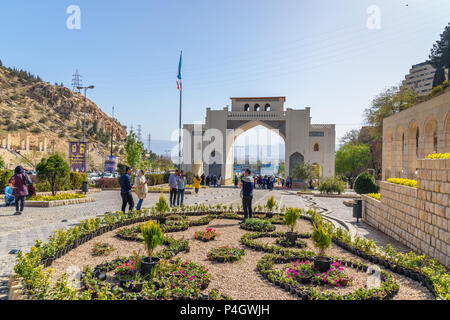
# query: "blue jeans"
{"type": "Point", "coordinates": [180, 194]}
{"type": "Point", "coordinates": [139, 204]}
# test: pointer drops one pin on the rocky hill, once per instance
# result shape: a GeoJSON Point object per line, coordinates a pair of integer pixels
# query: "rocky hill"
{"type": "Point", "coordinates": [30, 105]}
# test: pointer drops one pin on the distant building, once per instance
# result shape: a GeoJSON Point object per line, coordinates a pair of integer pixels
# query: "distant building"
{"type": "Point", "coordinates": [420, 78]}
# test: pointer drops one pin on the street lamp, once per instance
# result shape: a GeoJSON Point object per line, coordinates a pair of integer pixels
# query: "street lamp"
{"type": "Point", "coordinates": [84, 120]}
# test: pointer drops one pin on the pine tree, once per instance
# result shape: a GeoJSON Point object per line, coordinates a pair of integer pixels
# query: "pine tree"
{"type": "Point", "coordinates": [440, 53]}
{"type": "Point", "coordinates": [439, 77]}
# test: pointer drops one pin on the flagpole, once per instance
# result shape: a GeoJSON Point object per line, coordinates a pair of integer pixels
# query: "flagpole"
{"type": "Point", "coordinates": [179, 127]}
{"type": "Point", "coordinates": [179, 132]}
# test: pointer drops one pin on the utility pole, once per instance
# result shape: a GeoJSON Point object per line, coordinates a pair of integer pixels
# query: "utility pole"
{"type": "Point", "coordinates": [149, 142]}
{"type": "Point", "coordinates": [139, 133]}
{"type": "Point", "coordinates": [76, 81]}
{"type": "Point", "coordinates": [84, 120]}
{"type": "Point", "coordinates": [112, 132]}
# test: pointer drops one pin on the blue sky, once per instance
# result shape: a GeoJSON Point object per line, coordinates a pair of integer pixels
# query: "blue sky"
{"type": "Point", "coordinates": [316, 53]}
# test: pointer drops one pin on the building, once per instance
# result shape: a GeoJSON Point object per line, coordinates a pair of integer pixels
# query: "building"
{"type": "Point", "coordinates": [413, 134]}
{"type": "Point", "coordinates": [420, 78]}
{"type": "Point", "coordinates": [208, 148]}
{"type": "Point", "coordinates": [417, 217]}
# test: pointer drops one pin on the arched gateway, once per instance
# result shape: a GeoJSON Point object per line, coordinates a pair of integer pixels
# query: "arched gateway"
{"type": "Point", "coordinates": [209, 146]}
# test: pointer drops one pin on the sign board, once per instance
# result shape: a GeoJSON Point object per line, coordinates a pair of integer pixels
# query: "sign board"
{"type": "Point", "coordinates": [267, 169]}
{"type": "Point", "coordinates": [77, 156]}
{"type": "Point", "coordinates": [111, 164]}
{"type": "Point", "coordinates": [238, 169]}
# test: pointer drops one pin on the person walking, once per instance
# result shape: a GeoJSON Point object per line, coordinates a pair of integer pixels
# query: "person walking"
{"type": "Point", "coordinates": [236, 181]}
{"type": "Point", "coordinates": [197, 182]}
{"type": "Point", "coordinates": [247, 194]}
{"type": "Point", "coordinates": [173, 185]}
{"type": "Point", "coordinates": [125, 190]}
{"type": "Point", "coordinates": [182, 182]}
{"type": "Point", "coordinates": [19, 183]}
{"type": "Point", "coordinates": [203, 179]}
{"type": "Point", "coordinates": [208, 180]}
{"type": "Point", "coordinates": [141, 188]}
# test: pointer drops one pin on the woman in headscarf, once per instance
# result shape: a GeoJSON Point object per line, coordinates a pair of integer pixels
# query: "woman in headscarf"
{"type": "Point", "coordinates": [19, 183]}
{"type": "Point", "coordinates": [141, 188]}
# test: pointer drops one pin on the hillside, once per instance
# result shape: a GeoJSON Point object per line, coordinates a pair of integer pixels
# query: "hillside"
{"type": "Point", "coordinates": [33, 107]}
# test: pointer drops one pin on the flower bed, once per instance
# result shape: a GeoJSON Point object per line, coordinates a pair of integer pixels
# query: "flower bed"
{"type": "Point", "coordinates": [61, 196]}
{"type": "Point", "coordinates": [225, 254]}
{"type": "Point", "coordinates": [438, 156]}
{"type": "Point", "coordinates": [207, 235]}
{"type": "Point", "coordinates": [293, 284]}
{"type": "Point", "coordinates": [376, 196]}
{"type": "Point", "coordinates": [255, 224]}
{"type": "Point", "coordinates": [403, 182]}
{"type": "Point", "coordinates": [284, 242]}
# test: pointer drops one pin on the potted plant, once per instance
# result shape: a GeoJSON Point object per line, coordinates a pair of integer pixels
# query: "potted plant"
{"type": "Point", "coordinates": [290, 219]}
{"type": "Point", "coordinates": [161, 208]}
{"type": "Point", "coordinates": [153, 236]}
{"type": "Point", "coordinates": [322, 240]}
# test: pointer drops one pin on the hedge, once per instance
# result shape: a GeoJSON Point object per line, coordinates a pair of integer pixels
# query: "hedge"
{"type": "Point", "coordinates": [77, 179]}
{"type": "Point", "coordinates": [5, 175]}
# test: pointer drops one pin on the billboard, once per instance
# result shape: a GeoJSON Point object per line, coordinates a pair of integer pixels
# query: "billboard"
{"type": "Point", "coordinates": [77, 156]}
{"type": "Point", "coordinates": [111, 164]}
{"type": "Point", "coordinates": [267, 169]}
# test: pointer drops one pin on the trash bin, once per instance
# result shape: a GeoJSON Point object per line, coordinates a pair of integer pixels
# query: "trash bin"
{"type": "Point", "coordinates": [357, 209]}
{"type": "Point", "coordinates": [85, 187]}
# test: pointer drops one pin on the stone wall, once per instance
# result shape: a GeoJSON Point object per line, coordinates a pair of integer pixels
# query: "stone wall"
{"type": "Point", "coordinates": [417, 217]}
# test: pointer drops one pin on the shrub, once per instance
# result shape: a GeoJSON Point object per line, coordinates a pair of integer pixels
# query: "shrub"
{"type": "Point", "coordinates": [365, 183]}
{"type": "Point", "coordinates": [290, 218]}
{"type": "Point", "coordinates": [403, 182]}
{"type": "Point", "coordinates": [189, 177]}
{"type": "Point", "coordinates": [161, 206]}
{"type": "Point", "coordinates": [255, 224]}
{"type": "Point", "coordinates": [152, 235]}
{"type": "Point", "coordinates": [5, 175]}
{"type": "Point", "coordinates": [77, 179]}
{"type": "Point", "coordinates": [62, 196]}
{"type": "Point", "coordinates": [107, 183]}
{"type": "Point", "coordinates": [271, 203]}
{"type": "Point", "coordinates": [155, 179]}
{"type": "Point", "coordinates": [321, 238]}
{"type": "Point", "coordinates": [331, 184]}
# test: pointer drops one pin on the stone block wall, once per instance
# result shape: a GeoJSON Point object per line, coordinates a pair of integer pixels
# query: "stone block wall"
{"type": "Point", "coordinates": [418, 217]}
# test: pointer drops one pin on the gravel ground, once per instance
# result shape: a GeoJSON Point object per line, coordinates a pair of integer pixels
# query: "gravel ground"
{"type": "Point", "coordinates": [239, 280]}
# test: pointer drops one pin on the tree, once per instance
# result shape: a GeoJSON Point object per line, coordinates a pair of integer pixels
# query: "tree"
{"type": "Point", "coordinates": [440, 53]}
{"type": "Point", "coordinates": [134, 150]}
{"type": "Point", "coordinates": [2, 162]}
{"type": "Point", "coordinates": [387, 103]}
{"type": "Point", "coordinates": [303, 171]}
{"type": "Point", "coordinates": [439, 77]}
{"type": "Point", "coordinates": [365, 183]}
{"type": "Point", "coordinates": [54, 170]}
{"type": "Point", "coordinates": [351, 159]}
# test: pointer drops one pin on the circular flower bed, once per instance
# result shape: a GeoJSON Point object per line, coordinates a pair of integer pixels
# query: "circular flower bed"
{"type": "Point", "coordinates": [207, 235]}
{"type": "Point", "coordinates": [255, 224]}
{"type": "Point", "coordinates": [226, 254]}
{"type": "Point", "coordinates": [293, 278]}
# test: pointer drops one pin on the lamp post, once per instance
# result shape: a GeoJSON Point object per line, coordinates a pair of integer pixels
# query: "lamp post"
{"type": "Point", "coordinates": [84, 120]}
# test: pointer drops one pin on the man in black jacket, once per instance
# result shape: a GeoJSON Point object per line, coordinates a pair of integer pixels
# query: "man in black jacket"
{"type": "Point", "coordinates": [125, 190]}
{"type": "Point", "coordinates": [247, 185]}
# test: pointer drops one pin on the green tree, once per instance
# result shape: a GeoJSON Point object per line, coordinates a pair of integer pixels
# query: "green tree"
{"type": "Point", "coordinates": [134, 150]}
{"type": "Point", "coordinates": [303, 171]}
{"type": "Point", "coordinates": [440, 53]}
{"type": "Point", "coordinates": [351, 159]}
{"type": "Point", "coordinates": [54, 170]}
{"type": "Point", "coordinates": [439, 77]}
{"type": "Point", "coordinates": [2, 163]}
{"type": "Point", "coordinates": [387, 103]}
